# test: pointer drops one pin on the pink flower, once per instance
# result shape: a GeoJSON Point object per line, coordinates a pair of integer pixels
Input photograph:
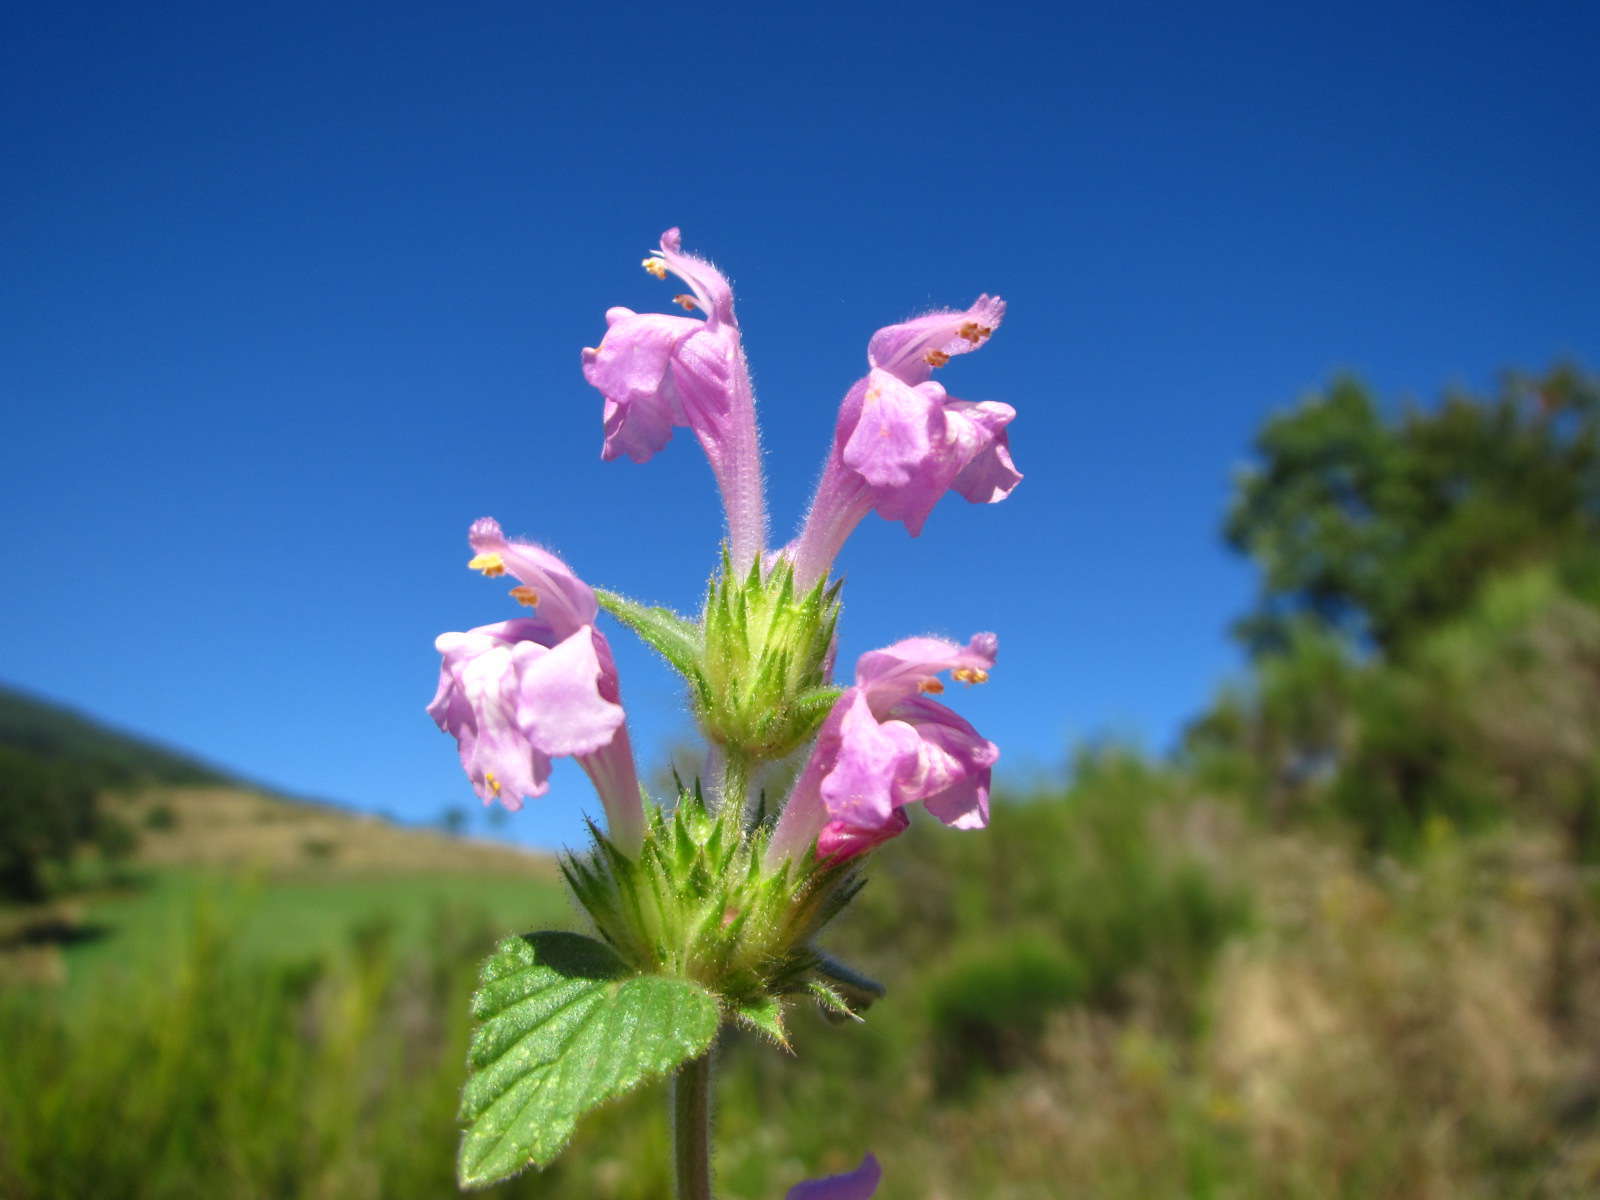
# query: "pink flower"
{"type": "Point", "coordinates": [885, 745]}
{"type": "Point", "coordinates": [901, 442]}
{"type": "Point", "coordinates": [859, 1184]}
{"type": "Point", "coordinates": [658, 371]}
{"type": "Point", "coordinates": [517, 694]}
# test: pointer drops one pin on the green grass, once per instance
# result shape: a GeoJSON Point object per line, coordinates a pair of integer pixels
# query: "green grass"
{"type": "Point", "coordinates": [1120, 992]}
{"type": "Point", "coordinates": [147, 927]}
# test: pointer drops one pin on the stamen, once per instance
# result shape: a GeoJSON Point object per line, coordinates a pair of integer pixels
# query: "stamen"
{"type": "Point", "coordinates": [929, 687]}
{"type": "Point", "coordinates": [972, 332]}
{"type": "Point", "coordinates": [490, 564]}
{"type": "Point", "coordinates": [685, 301]}
{"type": "Point", "coordinates": [936, 358]}
{"type": "Point", "coordinates": [525, 596]}
{"type": "Point", "coordinates": [494, 784]}
{"type": "Point", "coordinates": [655, 266]}
{"type": "Point", "coordinates": [970, 675]}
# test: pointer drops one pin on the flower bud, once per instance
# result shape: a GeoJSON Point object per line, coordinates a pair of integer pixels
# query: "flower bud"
{"type": "Point", "coordinates": [768, 651]}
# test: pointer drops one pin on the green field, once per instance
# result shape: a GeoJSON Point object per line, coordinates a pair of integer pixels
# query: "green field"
{"type": "Point", "coordinates": [139, 930]}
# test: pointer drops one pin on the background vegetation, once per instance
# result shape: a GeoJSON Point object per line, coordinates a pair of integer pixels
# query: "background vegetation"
{"type": "Point", "coordinates": [1344, 942]}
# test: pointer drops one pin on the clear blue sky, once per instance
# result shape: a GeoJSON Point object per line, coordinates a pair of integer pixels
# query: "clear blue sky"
{"type": "Point", "coordinates": [293, 293]}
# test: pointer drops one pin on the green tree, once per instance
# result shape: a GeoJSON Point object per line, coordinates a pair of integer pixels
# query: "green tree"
{"type": "Point", "coordinates": [46, 810]}
{"type": "Point", "coordinates": [1379, 528]}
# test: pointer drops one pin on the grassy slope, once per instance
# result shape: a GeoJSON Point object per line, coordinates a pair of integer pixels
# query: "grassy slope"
{"type": "Point", "coordinates": [287, 878]}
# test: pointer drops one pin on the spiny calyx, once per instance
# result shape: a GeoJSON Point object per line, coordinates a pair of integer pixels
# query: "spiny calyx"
{"type": "Point", "coordinates": [698, 902]}
{"type": "Point", "coordinates": [767, 651]}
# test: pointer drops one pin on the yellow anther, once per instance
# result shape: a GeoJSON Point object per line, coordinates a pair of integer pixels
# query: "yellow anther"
{"type": "Point", "coordinates": [490, 564]}
{"type": "Point", "coordinates": [526, 596]}
{"type": "Point", "coordinates": [936, 358]}
{"type": "Point", "coordinates": [494, 784]}
{"type": "Point", "coordinates": [970, 675]}
{"type": "Point", "coordinates": [972, 332]}
{"type": "Point", "coordinates": [930, 687]}
{"type": "Point", "coordinates": [685, 301]}
{"type": "Point", "coordinates": [655, 266]}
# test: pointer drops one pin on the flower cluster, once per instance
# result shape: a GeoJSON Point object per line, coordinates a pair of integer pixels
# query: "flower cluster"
{"type": "Point", "coordinates": [710, 914]}
{"type": "Point", "coordinates": [523, 691]}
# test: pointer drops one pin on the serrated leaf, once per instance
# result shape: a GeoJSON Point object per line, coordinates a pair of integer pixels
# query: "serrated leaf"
{"type": "Point", "coordinates": [564, 1027]}
{"type": "Point", "coordinates": [676, 638]}
{"type": "Point", "coordinates": [765, 1016]}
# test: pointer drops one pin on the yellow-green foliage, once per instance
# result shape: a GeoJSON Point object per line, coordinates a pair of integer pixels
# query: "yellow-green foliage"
{"type": "Point", "coordinates": [1194, 1006]}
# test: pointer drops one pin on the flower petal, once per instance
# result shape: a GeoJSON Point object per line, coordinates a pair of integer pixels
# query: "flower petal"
{"type": "Point", "coordinates": [913, 348]}
{"type": "Point", "coordinates": [859, 1184]}
{"type": "Point", "coordinates": [840, 841]}
{"type": "Point", "coordinates": [564, 601]}
{"type": "Point", "coordinates": [871, 757]}
{"type": "Point", "coordinates": [912, 664]}
{"type": "Point", "coordinates": [989, 474]}
{"type": "Point", "coordinates": [954, 764]}
{"type": "Point", "coordinates": [559, 705]}
{"type": "Point", "coordinates": [476, 703]}
{"type": "Point", "coordinates": [898, 429]}
{"type": "Point", "coordinates": [631, 369]}
{"type": "Point", "coordinates": [710, 287]}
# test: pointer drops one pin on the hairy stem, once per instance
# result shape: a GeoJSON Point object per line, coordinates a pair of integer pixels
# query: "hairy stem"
{"type": "Point", "coordinates": [736, 773]}
{"type": "Point", "coordinates": [691, 1128]}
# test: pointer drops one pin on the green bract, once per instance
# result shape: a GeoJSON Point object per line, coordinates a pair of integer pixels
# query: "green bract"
{"type": "Point", "coordinates": [756, 661]}
{"type": "Point", "coordinates": [766, 652]}
{"type": "Point", "coordinates": [698, 903]}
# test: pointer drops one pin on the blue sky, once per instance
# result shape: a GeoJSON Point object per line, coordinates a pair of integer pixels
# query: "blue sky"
{"type": "Point", "coordinates": [292, 294]}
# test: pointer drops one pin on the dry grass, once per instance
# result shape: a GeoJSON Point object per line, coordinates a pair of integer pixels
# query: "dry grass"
{"type": "Point", "coordinates": [234, 828]}
{"type": "Point", "coordinates": [1380, 1034]}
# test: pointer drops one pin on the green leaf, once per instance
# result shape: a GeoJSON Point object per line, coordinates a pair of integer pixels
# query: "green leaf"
{"type": "Point", "coordinates": [676, 638]}
{"type": "Point", "coordinates": [565, 1026]}
{"type": "Point", "coordinates": [765, 1016]}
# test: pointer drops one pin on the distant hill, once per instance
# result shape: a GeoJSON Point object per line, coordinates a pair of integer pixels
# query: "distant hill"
{"type": "Point", "coordinates": [90, 750]}
{"type": "Point", "coordinates": [70, 783]}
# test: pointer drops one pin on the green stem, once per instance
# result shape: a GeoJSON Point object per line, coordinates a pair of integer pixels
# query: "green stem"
{"type": "Point", "coordinates": [691, 1128]}
{"type": "Point", "coordinates": [735, 791]}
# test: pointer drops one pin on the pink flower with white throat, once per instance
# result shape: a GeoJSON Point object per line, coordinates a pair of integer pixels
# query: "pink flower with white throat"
{"type": "Point", "coordinates": [887, 745]}
{"type": "Point", "coordinates": [517, 694]}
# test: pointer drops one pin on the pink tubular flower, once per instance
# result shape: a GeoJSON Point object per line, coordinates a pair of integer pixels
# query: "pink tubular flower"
{"type": "Point", "coordinates": [519, 693]}
{"type": "Point", "coordinates": [657, 371]}
{"type": "Point", "coordinates": [901, 441]}
{"type": "Point", "coordinates": [860, 1184]}
{"type": "Point", "coordinates": [886, 745]}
